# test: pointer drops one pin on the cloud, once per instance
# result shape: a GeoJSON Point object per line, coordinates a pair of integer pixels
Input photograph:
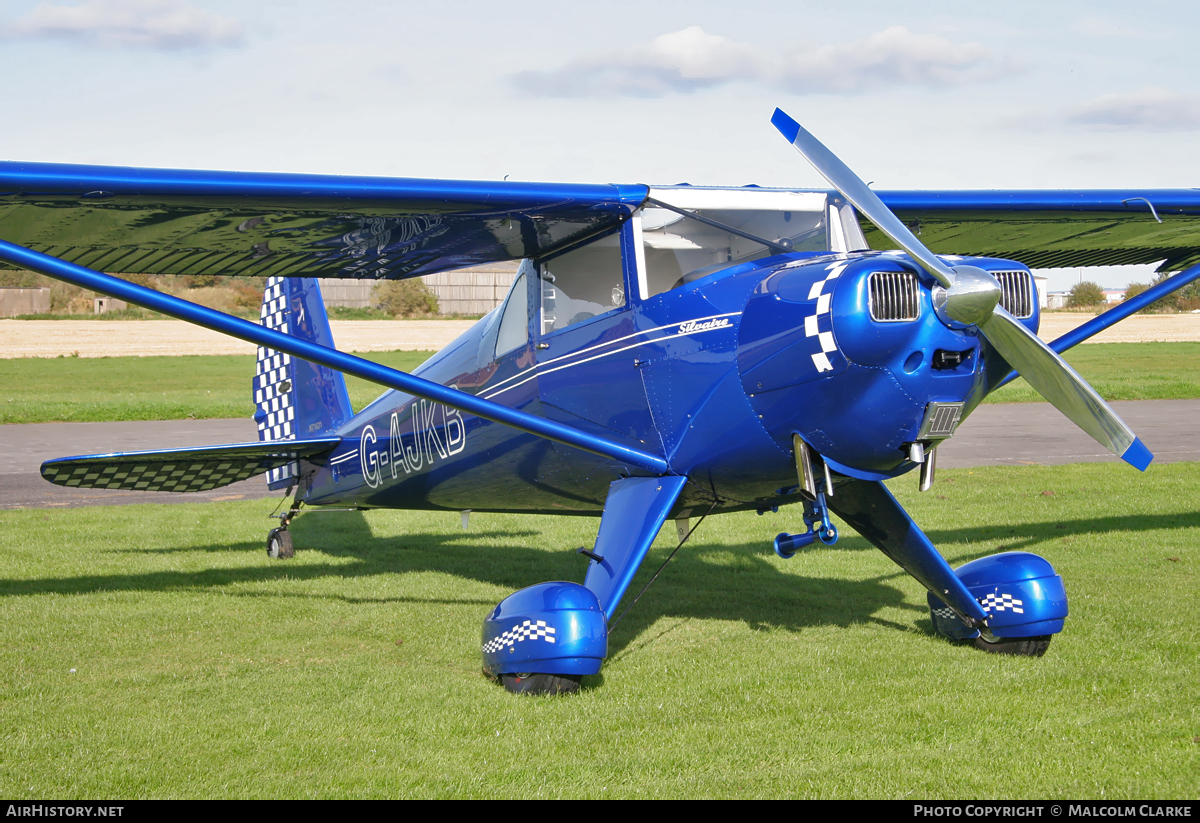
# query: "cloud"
{"type": "Point", "coordinates": [892, 57]}
{"type": "Point", "coordinates": [1108, 27]}
{"type": "Point", "coordinates": [162, 25]}
{"type": "Point", "coordinates": [1148, 109]}
{"type": "Point", "coordinates": [683, 61]}
{"type": "Point", "coordinates": [691, 60]}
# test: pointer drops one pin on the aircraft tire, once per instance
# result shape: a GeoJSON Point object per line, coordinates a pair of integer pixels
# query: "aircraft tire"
{"type": "Point", "coordinates": [526, 683]}
{"type": "Point", "coordinates": [1020, 646]}
{"type": "Point", "coordinates": [279, 545]}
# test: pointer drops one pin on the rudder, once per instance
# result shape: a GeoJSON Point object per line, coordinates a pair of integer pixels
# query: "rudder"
{"type": "Point", "coordinates": [295, 399]}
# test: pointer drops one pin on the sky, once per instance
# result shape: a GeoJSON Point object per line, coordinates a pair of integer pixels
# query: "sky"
{"type": "Point", "coordinates": [915, 95]}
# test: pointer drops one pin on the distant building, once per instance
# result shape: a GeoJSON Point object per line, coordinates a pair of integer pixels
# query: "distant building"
{"type": "Point", "coordinates": [1041, 282]}
{"type": "Point", "coordinates": [474, 291]}
{"type": "Point", "coordinates": [1113, 295]}
{"type": "Point", "coordinates": [15, 302]}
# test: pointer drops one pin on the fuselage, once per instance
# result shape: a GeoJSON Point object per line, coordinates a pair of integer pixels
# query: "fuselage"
{"type": "Point", "coordinates": [715, 374]}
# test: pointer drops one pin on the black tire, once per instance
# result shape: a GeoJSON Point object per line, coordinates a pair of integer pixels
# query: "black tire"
{"type": "Point", "coordinates": [279, 545]}
{"type": "Point", "coordinates": [525, 683]}
{"type": "Point", "coordinates": [1021, 646]}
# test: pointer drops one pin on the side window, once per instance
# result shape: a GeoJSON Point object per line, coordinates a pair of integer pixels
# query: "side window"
{"type": "Point", "coordinates": [582, 284]}
{"type": "Point", "coordinates": [514, 324]}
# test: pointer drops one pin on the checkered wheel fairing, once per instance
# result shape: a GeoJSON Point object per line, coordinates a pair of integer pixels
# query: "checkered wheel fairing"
{"type": "Point", "coordinates": [527, 630]}
{"type": "Point", "coordinates": [1001, 602]}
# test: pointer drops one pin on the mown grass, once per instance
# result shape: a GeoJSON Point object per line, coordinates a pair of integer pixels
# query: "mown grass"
{"type": "Point", "coordinates": [85, 389]}
{"type": "Point", "coordinates": [155, 651]}
{"type": "Point", "coordinates": [1125, 371]}
{"type": "Point", "coordinates": [37, 390]}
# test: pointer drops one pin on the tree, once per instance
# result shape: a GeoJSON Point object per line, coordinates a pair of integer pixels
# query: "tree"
{"type": "Point", "coordinates": [1134, 289]}
{"type": "Point", "coordinates": [404, 298]}
{"type": "Point", "coordinates": [1186, 299]}
{"type": "Point", "coordinates": [1085, 294]}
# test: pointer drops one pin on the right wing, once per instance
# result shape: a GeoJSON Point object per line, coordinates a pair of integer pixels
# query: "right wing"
{"type": "Point", "coordinates": [168, 221]}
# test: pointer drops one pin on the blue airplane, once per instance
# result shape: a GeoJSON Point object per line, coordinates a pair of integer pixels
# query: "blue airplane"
{"type": "Point", "coordinates": [664, 353]}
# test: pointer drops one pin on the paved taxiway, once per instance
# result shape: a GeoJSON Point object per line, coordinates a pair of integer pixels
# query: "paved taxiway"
{"type": "Point", "coordinates": [1011, 434]}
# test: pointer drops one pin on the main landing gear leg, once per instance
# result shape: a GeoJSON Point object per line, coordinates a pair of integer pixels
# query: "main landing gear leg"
{"type": "Point", "coordinates": [544, 639]}
{"type": "Point", "coordinates": [279, 541]}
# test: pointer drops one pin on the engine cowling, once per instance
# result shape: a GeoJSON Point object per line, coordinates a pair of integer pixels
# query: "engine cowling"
{"type": "Point", "coordinates": [849, 353]}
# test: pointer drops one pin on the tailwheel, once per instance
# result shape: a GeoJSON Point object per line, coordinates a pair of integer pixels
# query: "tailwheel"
{"type": "Point", "coordinates": [532, 683]}
{"type": "Point", "coordinates": [1020, 646]}
{"type": "Point", "coordinates": [279, 544]}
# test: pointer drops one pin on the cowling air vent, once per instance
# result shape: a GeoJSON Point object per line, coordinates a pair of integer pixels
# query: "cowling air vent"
{"type": "Point", "coordinates": [1016, 292]}
{"type": "Point", "coordinates": [894, 296]}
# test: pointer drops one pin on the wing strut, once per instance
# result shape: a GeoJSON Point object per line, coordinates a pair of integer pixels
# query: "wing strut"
{"type": "Point", "coordinates": [325, 356]}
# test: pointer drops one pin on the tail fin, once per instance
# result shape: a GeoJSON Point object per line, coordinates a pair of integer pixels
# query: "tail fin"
{"type": "Point", "coordinates": [295, 399]}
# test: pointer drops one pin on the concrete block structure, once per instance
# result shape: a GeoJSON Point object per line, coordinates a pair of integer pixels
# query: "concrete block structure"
{"type": "Point", "coordinates": [471, 291]}
{"type": "Point", "coordinates": [14, 302]}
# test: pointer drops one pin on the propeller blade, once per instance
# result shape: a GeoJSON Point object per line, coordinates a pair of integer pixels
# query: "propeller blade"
{"type": "Point", "coordinates": [1054, 379]}
{"type": "Point", "coordinates": [971, 299]}
{"type": "Point", "coordinates": [851, 187]}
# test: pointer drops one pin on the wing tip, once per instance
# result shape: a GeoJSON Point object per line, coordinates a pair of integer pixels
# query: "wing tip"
{"type": "Point", "coordinates": [1137, 455]}
{"type": "Point", "coordinates": [788, 127]}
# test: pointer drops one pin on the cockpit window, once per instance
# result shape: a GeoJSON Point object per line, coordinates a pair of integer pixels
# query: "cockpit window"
{"type": "Point", "coordinates": [680, 249]}
{"type": "Point", "coordinates": [582, 284]}
{"type": "Point", "coordinates": [514, 323]}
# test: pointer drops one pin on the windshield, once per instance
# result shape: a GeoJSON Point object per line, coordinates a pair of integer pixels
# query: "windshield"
{"type": "Point", "coordinates": [680, 249]}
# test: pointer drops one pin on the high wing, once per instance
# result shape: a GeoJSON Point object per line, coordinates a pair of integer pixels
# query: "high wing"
{"type": "Point", "coordinates": [148, 221]}
{"type": "Point", "coordinates": [1049, 229]}
{"type": "Point", "coordinates": [161, 221]}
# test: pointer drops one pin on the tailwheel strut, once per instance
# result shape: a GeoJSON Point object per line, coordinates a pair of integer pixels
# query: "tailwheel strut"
{"type": "Point", "coordinates": [279, 541]}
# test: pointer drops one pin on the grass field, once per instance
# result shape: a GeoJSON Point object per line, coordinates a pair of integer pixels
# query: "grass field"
{"type": "Point", "coordinates": [155, 651]}
{"type": "Point", "coordinates": [79, 389]}
{"type": "Point", "coordinates": [37, 390]}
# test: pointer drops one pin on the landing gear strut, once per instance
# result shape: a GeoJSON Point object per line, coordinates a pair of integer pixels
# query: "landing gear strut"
{"type": "Point", "coordinates": [814, 489]}
{"type": "Point", "coordinates": [279, 541]}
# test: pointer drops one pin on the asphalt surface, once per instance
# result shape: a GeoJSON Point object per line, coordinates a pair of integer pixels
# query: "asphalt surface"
{"type": "Point", "coordinates": [1037, 434]}
{"type": "Point", "coordinates": [25, 446]}
{"type": "Point", "coordinates": [1030, 434]}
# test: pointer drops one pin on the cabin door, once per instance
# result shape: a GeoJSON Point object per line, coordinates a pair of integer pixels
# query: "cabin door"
{"type": "Point", "coordinates": [586, 343]}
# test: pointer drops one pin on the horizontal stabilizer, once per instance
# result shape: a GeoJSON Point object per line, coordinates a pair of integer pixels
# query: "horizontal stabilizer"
{"type": "Point", "coordinates": [181, 470]}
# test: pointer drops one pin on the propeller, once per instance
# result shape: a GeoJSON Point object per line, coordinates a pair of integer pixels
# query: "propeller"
{"type": "Point", "coordinates": [966, 296]}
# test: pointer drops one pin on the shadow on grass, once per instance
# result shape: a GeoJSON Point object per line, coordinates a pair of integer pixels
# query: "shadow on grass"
{"type": "Point", "coordinates": [704, 581]}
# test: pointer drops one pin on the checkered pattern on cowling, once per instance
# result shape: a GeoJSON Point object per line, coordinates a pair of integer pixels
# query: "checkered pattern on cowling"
{"type": "Point", "coordinates": [945, 613]}
{"type": "Point", "coordinates": [145, 475]}
{"type": "Point", "coordinates": [820, 324]}
{"type": "Point", "coordinates": [529, 630]}
{"type": "Point", "coordinates": [1001, 602]}
{"type": "Point", "coordinates": [276, 415]}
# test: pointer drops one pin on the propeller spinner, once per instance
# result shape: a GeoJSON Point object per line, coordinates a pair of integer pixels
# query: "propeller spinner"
{"type": "Point", "coordinates": [965, 296]}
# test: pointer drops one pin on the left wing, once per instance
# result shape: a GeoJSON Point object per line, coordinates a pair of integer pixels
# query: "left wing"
{"type": "Point", "coordinates": [163, 221]}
